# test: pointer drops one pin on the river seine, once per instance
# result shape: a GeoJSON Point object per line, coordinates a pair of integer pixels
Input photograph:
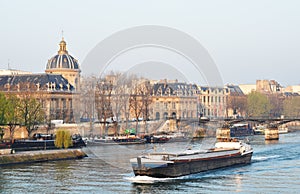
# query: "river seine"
{"type": "Point", "coordinates": [275, 168]}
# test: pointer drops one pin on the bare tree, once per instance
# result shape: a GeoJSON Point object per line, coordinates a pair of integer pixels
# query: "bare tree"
{"type": "Point", "coordinates": [135, 103]}
{"type": "Point", "coordinates": [146, 102]}
{"type": "Point", "coordinates": [87, 101]}
{"type": "Point", "coordinates": [120, 98]}
{"type": "Point", "coordinates": [103, 92]}
{"type": "Point", "coordinates": [238, 104]}
{"type": "Point", "coordinates": [276, 101]}
{"type": "Point", "coordinates": [140, 100]}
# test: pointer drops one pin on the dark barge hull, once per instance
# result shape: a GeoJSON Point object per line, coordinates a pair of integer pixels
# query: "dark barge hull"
{"type": "Point", "coordinates": [29, 145]}
{"type": "Point", "coordinates": [181, 168]}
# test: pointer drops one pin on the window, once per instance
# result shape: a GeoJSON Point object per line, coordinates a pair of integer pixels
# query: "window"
{"type": "Point", "coordinates": [157, 104]}
{"type": "Point", "coordinates": [64, 103]}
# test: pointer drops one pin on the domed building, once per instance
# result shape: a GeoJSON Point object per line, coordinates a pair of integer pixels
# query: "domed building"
{"type": "Point", "coordinates": [55, 89]}
{"type": "Point", "coordinates": [64, 64]}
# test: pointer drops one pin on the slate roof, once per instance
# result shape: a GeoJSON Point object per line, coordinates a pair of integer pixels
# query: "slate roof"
{"type": "Point", "coordinates": [181, 89]}
{"type": "Point", "coordinates": [235, 90]}
{"type": "Point", "coordinates": [291, 94]}
{"type": "Point", "coordinates": [212, 89]}
{"type": "Point", "coordinates": [42, 79]}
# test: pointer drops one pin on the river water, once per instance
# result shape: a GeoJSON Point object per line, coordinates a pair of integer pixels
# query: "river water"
{"type": "Point", "coordinates": [275, 168]}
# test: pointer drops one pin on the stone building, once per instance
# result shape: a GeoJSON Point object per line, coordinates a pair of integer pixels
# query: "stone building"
{"type": "Point", "coordinates": [174, 100]}
{"type": "Point", "coordinates": [268, 86]}
{"type": "Point", "coordinates": [236, 101]}
{"type": "Point", "coordinates": [212, 102]}
{"type": "Point", "coordinates": [64, 64]}
{"type": "Point", "coordinates": [55, 88]}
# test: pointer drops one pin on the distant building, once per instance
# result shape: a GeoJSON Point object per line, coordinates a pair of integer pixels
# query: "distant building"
{"type": "Point", "coordinates": [293, 89]}
{"type": "Point", "coordinates": [236, 101]}
{"type": "Point", "coordinates": [247, 88]}
{"type": "Point", "coordinates": [268, 86]}
{"type": "Point", "coordinates": [172, 99]}
{"type": "Point", "coordinates": [13, 72]}
{"type": "Point", "coordinates": [55, 88]}
{"type": "Point", "coordinates": [212, 102]}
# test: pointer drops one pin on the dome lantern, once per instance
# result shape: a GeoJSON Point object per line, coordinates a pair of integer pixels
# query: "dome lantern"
{"type": "Point", "coordinates": [62, 47]}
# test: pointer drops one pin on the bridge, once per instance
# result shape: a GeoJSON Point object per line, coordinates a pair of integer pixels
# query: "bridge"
{"type": "Point", "coordinates": [275, 122]}
{"type": "Point", "coordinates": [271, 125]}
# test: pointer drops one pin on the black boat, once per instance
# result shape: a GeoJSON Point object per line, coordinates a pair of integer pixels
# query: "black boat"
{"type": "Point", "coordinates": [43, 142]}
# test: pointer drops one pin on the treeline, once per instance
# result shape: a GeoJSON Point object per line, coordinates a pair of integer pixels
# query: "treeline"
{"type": "Point", "coordinates": [20, 111]}
{"type": "Point", "coordinates": [257, 104]}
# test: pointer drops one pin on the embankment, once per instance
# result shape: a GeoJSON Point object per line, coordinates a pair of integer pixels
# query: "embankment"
{"type": "Point", "coordinates": [41, 156]}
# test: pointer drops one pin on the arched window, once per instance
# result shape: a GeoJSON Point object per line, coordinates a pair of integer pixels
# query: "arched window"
{"type": "Point", "coordinates": [174, 115]}
{"type": "Point", "coordinates": [165, 115]}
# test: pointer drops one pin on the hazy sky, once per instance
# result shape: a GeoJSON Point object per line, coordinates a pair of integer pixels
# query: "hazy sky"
{"type": "Point", "coordinates": [248, 40]}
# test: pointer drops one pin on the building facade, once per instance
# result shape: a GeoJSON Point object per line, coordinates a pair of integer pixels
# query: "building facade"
{"type": "Point", "coordinates": [212, 102]}
{"type": "Point", "coordinates": [55, 89]}
{"type": "Point", "coordinates": [174, 100]}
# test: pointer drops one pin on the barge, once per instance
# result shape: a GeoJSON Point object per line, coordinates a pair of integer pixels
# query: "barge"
{"type": "Point", "coordinates": [163, 165]}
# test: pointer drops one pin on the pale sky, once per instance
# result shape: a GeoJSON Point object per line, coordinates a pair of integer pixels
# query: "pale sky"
{"type": "Point", "coordinates": [248, 40]}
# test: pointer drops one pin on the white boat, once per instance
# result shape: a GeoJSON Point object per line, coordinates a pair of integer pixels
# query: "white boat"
{"type": "Point", "coordinates": [259, 130]}
{"type": "Point", "coordinates": [283, 129]}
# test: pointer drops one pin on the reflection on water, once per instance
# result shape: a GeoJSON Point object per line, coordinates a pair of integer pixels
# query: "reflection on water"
{"type": "Point", "coordinates": [62, 171]}
{"type": "Point", "coordinates": [238, 183]}
{"type": "Point", "coordinates": [271, 141]}
{"type": "Point", "coordinates": [107, 170]}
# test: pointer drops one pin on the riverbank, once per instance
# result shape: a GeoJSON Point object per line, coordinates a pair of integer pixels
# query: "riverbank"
{"type": "Point", "coordinates": [41, 156]}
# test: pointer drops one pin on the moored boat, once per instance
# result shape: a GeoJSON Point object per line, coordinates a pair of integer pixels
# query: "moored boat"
{"type": "Point", "coordinates": [259, 130]}
{"type": "Point", "coordinates": [283, 129]}
{"type": "Point", "coordinates": [163, 165]}
{"type": "Point", "coordinates": [241, 130]}
{"type": "Point", "coordinates": [166, 138]}
{"type": "Point", "coordinates": [120, 140]}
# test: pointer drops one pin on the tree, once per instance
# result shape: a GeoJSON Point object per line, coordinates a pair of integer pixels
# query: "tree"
{"type": "Point", "coordinates": [146, 102]}
{"type": "Point", "coordinates": [63, 139]}
{"type": "Point", "coordinates": [120, 98]}
{"type": "Point", "coordinates": [258, 105]}
{"type": "Point", "coordinates": [87, 101]}
{"type": "Point", "coordinates": [3, 106]}
{"type": "Point", "coordinates": [12, 115]}
{"type": "Point", "coordinates": [135, 105]}
{"type": "Point", "coordinates": [31, 112]}
{"type": "Point", "coordinates": [103, 102]}
{"type": "Point", "coordinates": [140, 100]}
{"type": "Point", "coordinates": [238, 104]}
{"type": "Point", "coordinates": [291, 106]}
{"type": "Point", "coordinates": [276, 101]}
